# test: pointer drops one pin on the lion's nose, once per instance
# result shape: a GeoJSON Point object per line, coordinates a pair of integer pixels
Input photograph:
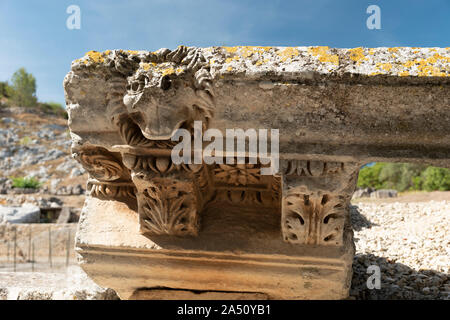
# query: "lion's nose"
{"type": "Point", "coordinates": [162, 122]}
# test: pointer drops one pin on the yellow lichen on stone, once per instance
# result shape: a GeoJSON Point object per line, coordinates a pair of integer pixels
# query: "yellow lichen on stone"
{"type": "Point", "coordinates": [384, 66]}
{"type": "Point", "coordinates": [288, 53]}
{"type": "Point", "coordinates": [372, 51]}
{"type": "Point", "coordinates": [426, 70]}
{"type": "Point", "coordinates": [248, 51]}
{"type": "Point", "coordinates": [357, 54]}
{"type": "Point", "coordinates": [230, 49]}
{"type": "Point", "coordinates": [427, 67]}
{"type": "Point", "coordinates": [323, 55]}
{"type": "Point", "coordinates": [228, 60]}
{"type": "Point", "coordinates": [133, 51]}
{"type": "Point", "coordinates": [168, 71]}
{"type": "Point", "coordinates": [408, 64]}
{"type": "Point", "coordinates": [95, 56]}
{"type": "Point", "coordinates": [147, 66]}
{"type": "Point", "coordinates": [260, 62]}
{"type": "Point", "coordinates": [393, 50]}
{"type": "Point", "coordinates": [403, 74]}
{"type": "Point", "coordinates": [107, 52]}
{"type": "Point", "coordinates": [229, 68]}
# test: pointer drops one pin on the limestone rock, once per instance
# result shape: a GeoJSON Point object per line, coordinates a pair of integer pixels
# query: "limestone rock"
{"type": "Point", "coordinates": [384, 193]}
{"type": "Point", "coordinates": [27, 213]}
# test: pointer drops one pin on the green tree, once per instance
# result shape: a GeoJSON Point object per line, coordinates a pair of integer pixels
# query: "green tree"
{"type": "Point", "coordinates": [404, 176]}
{"type": "Point", "coordinates": [436, 179]}
{"type": "Point", "coordinates": [400, 176]}
{"type": "Point", "coordinates": [23, 89]}
{"type": "Point", "coordinates": [369, 176]}
{"type": "Point", "coordinates": [4, 89]}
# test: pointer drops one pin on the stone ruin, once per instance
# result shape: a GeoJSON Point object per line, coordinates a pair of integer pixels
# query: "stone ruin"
{"type": "Point", "coordinates": [152, 228]}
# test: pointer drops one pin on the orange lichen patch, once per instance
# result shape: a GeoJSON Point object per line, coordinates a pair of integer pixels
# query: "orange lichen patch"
{"type": "Point", "coordinates": [288, 53]}
{"type": "Point", "coordinates": [179, 70]}
{"type": "Point", "coordinates": [323, 55]}
{"type": "Point", "coordinates": [95, 56]}
{"type": "Point", "coordinates": [357, 54]}
{"type": "Point", "coordinates": [375, 73]}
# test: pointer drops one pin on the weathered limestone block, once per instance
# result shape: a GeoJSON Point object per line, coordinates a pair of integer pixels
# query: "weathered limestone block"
{"type": "Point", "coordinates": [151, 224]}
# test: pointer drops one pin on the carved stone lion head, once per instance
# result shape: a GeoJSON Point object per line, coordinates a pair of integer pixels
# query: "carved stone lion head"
{"type": "Point", "coordinates": [169, 91]}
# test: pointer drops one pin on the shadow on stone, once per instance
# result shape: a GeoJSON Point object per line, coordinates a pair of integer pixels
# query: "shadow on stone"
{"type": "Point", "coordinates": [359, 221]}
{"type": "Point", "coordinates": [398, 281]}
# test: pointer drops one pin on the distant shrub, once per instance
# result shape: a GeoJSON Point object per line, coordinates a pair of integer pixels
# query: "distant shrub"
{"type": "Point", "coordinates": [436, 179]}
{"type": "Point", "coordinates": [404, 176]}
{"type": "Point", "coordinates": [24, 182]}
{"type": "Point", "coordinates": [53, 108]}
{"type": "Point", "coordinates": [25, 141]}
{"type": "Point", "coordinates": [369, 176]}
{"type": "Point", "coordinates": [4, 89]}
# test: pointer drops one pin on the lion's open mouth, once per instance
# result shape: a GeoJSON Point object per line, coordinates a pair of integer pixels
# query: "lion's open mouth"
{"type": "Point", "coordinates": [160, 122]}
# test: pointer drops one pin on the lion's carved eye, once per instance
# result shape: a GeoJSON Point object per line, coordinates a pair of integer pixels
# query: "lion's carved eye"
{"type": "Point", "coordinates": [139, 84]}
{"type": "Point", "coordinates": [165, 83]}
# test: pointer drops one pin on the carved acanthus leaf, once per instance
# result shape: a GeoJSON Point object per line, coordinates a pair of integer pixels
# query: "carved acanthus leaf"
{"type": "Point", "coordinates": [239, 174]}
{"type": "Point", "coordinates": [314, 218]}
{"type": "Point", "coordinates": [101, 164]}
{"type": "Point", "coordinates": [168, 208]}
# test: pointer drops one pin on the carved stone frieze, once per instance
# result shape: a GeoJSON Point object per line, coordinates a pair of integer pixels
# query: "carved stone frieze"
{"type": "Point", "coordinates": [312, 168]}
{"type": "Point", "coordinates": [167, 206]}
{"type": "Point", "coordinates": [287, 235]}
{"type": "Point", "coordinates": [102, 164]}
{"type": "Point", "coordinates": [315, 201]}
{"type": "Point", "coordinates": [238, 174]}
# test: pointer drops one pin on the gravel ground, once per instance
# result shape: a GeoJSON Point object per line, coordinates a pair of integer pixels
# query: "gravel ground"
{"type": "Point", "coordinates": [410, 242]}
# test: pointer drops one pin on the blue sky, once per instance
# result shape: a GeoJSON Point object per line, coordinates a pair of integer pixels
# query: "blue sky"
{"type": "Point", "coordinates": [33, 34]}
